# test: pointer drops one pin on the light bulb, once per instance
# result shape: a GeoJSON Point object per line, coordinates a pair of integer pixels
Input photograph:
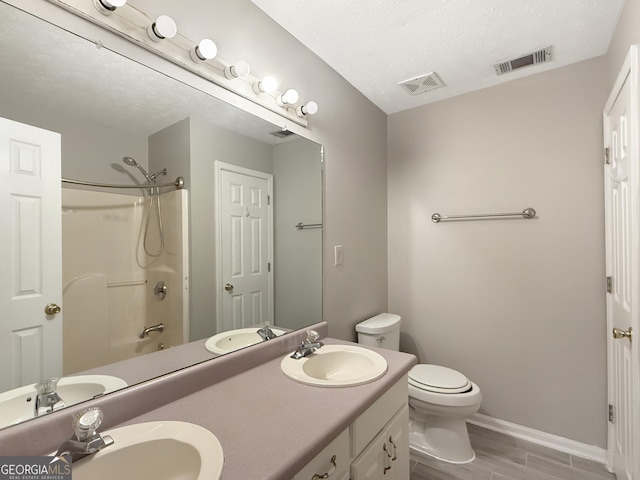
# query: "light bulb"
{"type": "Point", "coordinates": [240, 70]}
{"type": "Point", "coordinates": [205, 50]}
{"type": "Point", "coordinates": [266, 85]}
{"type": "Point", "coordinates": [287, 98]}
{"type": "Point", "coordinates": [163, 27]}
{"type": "Point", "coordinates": [311, 108]}
{"type": "Point", "coordinates": [107, 7]}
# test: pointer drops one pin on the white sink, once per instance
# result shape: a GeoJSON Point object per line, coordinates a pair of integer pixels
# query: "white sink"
{"type": "Point", "coordinates": [336, 366]}
{"type": "Point", "coordinates": [18, 405]}
{"type": "Point", "coordinates": [232, 340]}
{"type": "Point", "coordinates": [155, 450]}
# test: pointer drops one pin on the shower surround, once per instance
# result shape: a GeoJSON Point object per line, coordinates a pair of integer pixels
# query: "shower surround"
{"type": "Point", "coordinates": [108, 280]}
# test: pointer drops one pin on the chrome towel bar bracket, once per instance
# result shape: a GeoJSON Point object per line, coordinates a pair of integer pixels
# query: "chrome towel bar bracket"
{"type": "Point", "coordinates": [526, 213]}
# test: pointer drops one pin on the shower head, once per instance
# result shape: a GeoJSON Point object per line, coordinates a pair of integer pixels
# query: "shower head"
{"type": "Point", "coordinates": [132, 163]}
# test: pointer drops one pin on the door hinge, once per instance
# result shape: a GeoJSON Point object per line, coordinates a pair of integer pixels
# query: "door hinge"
{"type": "Point", "coordinates": [611, 413]}
{"type": "Point", "coordinates": [268, 266]}
{"type": "Point", "coordinates": [609, 285]}
{"type": "Point", "coordinates": [268, 199]}
{"type": "Point", "coordinates": [607, 160]}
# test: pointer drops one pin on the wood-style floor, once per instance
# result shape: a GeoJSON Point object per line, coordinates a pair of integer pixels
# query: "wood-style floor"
{"type": "Point", "coordinates": [500, 457]}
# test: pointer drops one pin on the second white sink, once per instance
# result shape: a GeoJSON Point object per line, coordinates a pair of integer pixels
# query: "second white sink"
{"type": "Point", "coordinates": [165, 450]}
{"type": "Point", "coordinates": [233, 340]}
{"type": "Point", "coordinates": [336, 366]}
{"type": "Point", "coordinates": [17, 405]}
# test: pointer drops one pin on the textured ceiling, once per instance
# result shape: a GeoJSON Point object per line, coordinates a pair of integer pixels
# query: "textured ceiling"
{"type": "Point", "coordinates": [374, 44]}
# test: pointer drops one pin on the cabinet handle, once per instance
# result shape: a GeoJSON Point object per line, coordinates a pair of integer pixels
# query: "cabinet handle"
{"type": "Point", "coordinates": [334, 464]}
{"type": "Point", "coordinates": [386, 468]}
{"type": "Point", "coordinates": [395, 448]}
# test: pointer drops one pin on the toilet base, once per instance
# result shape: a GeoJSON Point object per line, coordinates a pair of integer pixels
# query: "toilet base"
{"type": "Point", "coordinates": [445, 439]}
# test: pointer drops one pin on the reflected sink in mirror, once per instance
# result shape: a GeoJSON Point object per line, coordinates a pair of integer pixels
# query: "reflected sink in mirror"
{"type": "Point", "coordinates": [18, 405]}
{"type": "Point", "coordinates": [232, 340]}
{"type": "Point", "coordinates": [336, 366]}
{"type": "Point", "coordinates": [155, 450]}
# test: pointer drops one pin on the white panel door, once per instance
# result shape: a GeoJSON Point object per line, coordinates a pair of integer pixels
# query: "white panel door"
{"type": "Point", "coordinates": [31, 254]}
{"type": "Point", "coordinates": [245, 245]}
{"type": "Point", "coordinates": [622, 214]}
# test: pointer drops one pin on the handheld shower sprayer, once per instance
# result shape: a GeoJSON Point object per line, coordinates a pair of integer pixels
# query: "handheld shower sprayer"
{"type": "Point", "coordinates": [155, 192]}
{"type": "Point", "coordinates": [132, 163]}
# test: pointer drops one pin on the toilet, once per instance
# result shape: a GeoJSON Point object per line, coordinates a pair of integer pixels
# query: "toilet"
{"type": "Point", "coordinates": [440, 398]}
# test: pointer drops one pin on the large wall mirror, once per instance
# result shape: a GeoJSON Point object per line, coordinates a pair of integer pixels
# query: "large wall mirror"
{"type": "Point", "coordinates": [148, 279]}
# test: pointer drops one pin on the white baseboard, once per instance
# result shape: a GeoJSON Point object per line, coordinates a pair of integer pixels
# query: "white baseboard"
{"type": "Point", "coordinates": [590, 452]}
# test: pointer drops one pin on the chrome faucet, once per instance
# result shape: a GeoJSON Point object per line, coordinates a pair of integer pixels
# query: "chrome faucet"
{"type": "Point", "coordinates": [47, 399]}
{"type": "Point", "coordinates": [155, 328]}
{"type": "Point", "coordinates": [308, 346]}
{"type": "Point", "coordinates": [266, 333]}
{"type": "Point", "coordinates": [86, 440]}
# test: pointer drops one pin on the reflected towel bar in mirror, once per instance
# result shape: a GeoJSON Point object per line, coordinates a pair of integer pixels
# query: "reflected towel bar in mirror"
{"type": "Point", "coordinates": [526, 213]}
{"type": "Point", "coordinates": [303, 226]}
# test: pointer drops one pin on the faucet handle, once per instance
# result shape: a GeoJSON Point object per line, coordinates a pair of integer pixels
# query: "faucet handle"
{"type": "Point", "coordinates": [48, 386]}
{"type": "Point", "coordinates": [312, 336]}
{"type": "Point", "coordinates": [87, 422]}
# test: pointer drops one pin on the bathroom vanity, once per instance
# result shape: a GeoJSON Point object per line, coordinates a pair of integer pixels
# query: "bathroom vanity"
{"type": "Point", "coordinates": [269, 426]}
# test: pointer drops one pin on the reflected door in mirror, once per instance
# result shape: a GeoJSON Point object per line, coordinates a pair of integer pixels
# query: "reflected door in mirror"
{"type": "Point", "coordinates": [30, 242]}
{"type": "Point", "coordinates": [246, 238]}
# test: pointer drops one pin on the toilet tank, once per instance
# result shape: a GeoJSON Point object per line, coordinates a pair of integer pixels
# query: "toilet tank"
{"type": "Point", "coordinates": [381, 331]}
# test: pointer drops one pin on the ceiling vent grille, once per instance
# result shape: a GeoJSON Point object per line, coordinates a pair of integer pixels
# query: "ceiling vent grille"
{"type": "Point", "coordinates": [539, 56]}
{"type": "Point", "coordinates": [284, 133]}
{"type": "Point", "coordinates": [422, 84]}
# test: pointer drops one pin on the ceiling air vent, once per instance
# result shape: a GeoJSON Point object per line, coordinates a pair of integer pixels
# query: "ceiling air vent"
{"type": "Point", "coordinates": [539, 56]}
{"type": "Point", "coordinates": [422, 84]}
{"type": "Point", "coordinates": [284, 133]}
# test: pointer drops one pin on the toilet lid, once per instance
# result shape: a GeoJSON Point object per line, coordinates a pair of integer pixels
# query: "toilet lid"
{"type": "Point", "coordinates": [435, 378]}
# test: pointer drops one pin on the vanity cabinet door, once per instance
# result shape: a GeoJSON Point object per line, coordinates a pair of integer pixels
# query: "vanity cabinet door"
{"type": "Point", "coordinates": [397, 439]}
{"type": "Point", "coordinates": [387, 456]}
{"type": "Point", "coordinates": [371, 464]}
{"type": "Point", "coordinates": [322, 464]}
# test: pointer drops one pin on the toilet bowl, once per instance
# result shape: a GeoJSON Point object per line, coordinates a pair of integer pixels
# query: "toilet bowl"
{"type": "Point", "coordinates": [440, 398]}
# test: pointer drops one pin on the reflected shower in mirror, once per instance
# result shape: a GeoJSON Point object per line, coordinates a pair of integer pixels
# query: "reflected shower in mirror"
{"type": "Point", "coordinates": [140, 273]}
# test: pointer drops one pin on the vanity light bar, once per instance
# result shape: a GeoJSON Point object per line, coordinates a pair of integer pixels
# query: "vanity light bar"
{"type": "Point", "coordinates": [161, 37]}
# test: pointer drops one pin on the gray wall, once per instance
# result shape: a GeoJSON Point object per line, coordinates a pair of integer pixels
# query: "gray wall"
{"type": "Point", "coordinates": [352, 130]}
{"type": "Point", "coordinates": [517, 305]}
{"type": "Point", "coordinates": [297, 191]}
{"type": "Point", "coordinates": [189, 148]}
{"type": "Point", "coordinates": [627, 33]}
{"type": "Point", "coordinates": [89, 150]}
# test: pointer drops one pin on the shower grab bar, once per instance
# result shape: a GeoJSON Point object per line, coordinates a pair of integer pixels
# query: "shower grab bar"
{"type": "Point", "coordinates": [302, 226]}
{"type": "Point", "coordinates": [126, 284]}
{"type": "Point", "coordinates": [178, 184]}
{"type": "Point", "coordinates": [526, 213]}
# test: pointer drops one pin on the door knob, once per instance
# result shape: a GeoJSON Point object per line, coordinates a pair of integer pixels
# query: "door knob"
{"type": "Point", "coordinates": [619, 333]}
{"type": "Point", "coordinates": [52, 309]}
{"type": "Point", "coordinates": [228, 287]}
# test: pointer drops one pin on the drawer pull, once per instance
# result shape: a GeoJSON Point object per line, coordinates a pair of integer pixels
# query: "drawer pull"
{"type": "Point", "coordinates": [329, 473]}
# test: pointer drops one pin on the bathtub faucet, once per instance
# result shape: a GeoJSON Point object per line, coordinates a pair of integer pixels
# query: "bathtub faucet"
{"type": "Point", "coordinates": [155, 328]}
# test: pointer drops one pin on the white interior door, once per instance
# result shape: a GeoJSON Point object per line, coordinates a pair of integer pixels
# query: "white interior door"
{"type": "Point", "coordinates": [30, 253]}
{"type": "Point", "coordinates": [622, 212]}
{"type": "Point", "coordinates": [245, 246]}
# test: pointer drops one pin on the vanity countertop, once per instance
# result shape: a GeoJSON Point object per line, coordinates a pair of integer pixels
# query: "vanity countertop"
{"type": "Point", "coordinates": [270, 426]}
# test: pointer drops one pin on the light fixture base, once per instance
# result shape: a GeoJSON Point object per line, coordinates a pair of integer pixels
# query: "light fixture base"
{"type": "Point", "coordinates": [102, 8]}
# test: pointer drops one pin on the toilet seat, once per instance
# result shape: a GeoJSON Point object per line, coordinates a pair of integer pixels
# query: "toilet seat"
{"type": "Point", "coordinates": [438, 379]}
